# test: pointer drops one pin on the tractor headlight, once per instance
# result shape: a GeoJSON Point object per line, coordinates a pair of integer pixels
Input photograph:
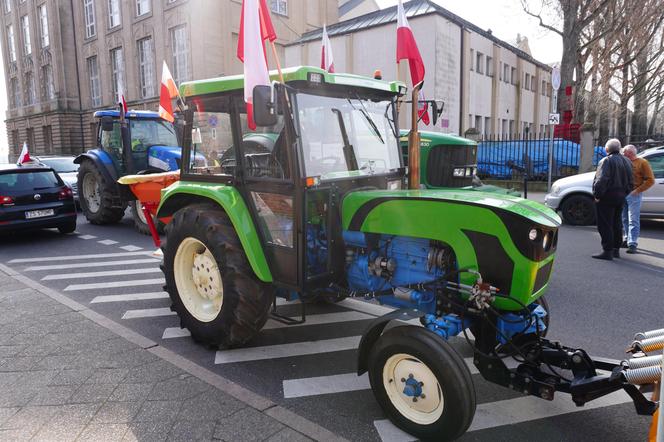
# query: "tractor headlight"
{"type": "Point", "coordinates": [459, 172]}
{"type": "Point", "coordinates": [394, 185]}
{"type": "Point", "coordinates": [533, 234]}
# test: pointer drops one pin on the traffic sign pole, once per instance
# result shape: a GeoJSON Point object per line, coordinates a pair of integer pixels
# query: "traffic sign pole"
{"type": "Point", "coordinates": [555, 85]}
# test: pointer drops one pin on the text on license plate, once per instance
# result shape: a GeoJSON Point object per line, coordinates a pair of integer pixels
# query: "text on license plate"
{"type": "Point", "coordinates": [39, 213]}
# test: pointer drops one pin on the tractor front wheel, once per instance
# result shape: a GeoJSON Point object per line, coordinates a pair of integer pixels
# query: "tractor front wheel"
{"type": "Point", "coordinates": [96, 196]}
{"type": "Point", "coordinates": [422, 384]}
{"type": "Point", "coordinates": [212, 286]}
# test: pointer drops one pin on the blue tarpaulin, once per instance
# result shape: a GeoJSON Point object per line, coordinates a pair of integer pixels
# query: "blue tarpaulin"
{"type": "Point", "coordinates": [502, 159]}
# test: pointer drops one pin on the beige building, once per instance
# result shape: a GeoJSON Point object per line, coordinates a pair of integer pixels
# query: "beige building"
{"type": "Point", "coordinates": [64, 59]}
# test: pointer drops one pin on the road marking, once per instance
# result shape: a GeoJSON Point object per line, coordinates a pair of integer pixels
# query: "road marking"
{"type": "Point", "coordinates": [99, 274]}
{"type": "Point", "coordinates": [87, 236]}
{"type": "Point", "coordinates": [148, 313]}
{"type": "Point", "coordinates": [75, 257]}
{"type": "Point", "coordinates": [131, 248]}
{"type": "Point", "coordinates": [129, 297]}
{"type": "Point", "coordinates": [114, 284]}
{"type": "Point", "coordinates": [107, 242]}
{"type": "Point", "coordinates": [175, 332]}
{"type": "Point", "coordinates": [91, 264]}
{"type": "Point", "coordinates": [325, 318]}
{"type": "Point", "coordinates": [338, 383]}
{"type": "Point", "coordinates": [511, 412]}
{"type": "Point", "coordinates": [286, 350]}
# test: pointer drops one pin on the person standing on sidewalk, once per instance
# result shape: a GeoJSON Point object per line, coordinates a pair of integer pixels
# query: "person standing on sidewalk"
{"type": "Point", "coordinates": [613, 181]}
{"type": "Point", "coordinates": [631, 214]}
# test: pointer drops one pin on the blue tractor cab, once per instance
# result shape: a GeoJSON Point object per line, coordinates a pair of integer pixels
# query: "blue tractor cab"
{"type": "Point", "coordinates": [134, 143]}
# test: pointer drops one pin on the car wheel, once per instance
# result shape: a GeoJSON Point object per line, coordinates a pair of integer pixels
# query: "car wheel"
{"type": "Point", "coordinates": [67, 227]}
{"type": "Point", "coordinates": [578, 210]}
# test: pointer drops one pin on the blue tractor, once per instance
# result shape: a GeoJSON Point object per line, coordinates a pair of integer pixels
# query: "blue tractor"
{"type": "Point", "coordinates": [135, 142]}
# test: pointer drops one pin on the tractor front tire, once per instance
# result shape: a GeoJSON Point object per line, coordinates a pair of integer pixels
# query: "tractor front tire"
{"type": "Point", "coordinates": [96, 196]}
{"type": "Point", "coordinates": [422, 384]}
{"type": "Point", "coordinates": [210, 282]}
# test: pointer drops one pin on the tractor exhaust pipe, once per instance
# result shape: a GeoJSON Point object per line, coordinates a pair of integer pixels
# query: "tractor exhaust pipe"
{"type": "Point", "coordinates": [414, 141]}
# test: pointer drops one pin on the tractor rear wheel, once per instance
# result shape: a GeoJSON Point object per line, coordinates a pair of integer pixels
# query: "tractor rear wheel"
{"type": "Point", "coordinates": [96, 196]}
{"type": "Point", "coordinates": [422, 384]}
{"type": "Point", "coordinates": [140, 223]}
{"type": "Point", "coordinates": [212, 286]}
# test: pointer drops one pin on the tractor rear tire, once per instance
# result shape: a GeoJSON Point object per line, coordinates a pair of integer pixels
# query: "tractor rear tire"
{"type": "Point", "coordinates": [96, 196]}
{"type": "Point", "coordinates": [407, 355]}
{"type": "Point", "coordinates": [139, 219]}
{"type": "Point", "coordinates": [211, 284]}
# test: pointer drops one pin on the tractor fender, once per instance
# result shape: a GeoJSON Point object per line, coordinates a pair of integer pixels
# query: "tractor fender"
{"type": "Point", "coordinates": [374, 331]}
{"type": "Point", "coordinates": [181, 194]}
{"type": "Point", "coordinates": [102, 161]}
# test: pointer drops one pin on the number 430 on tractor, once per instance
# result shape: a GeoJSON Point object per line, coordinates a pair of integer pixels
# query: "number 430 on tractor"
{"type": "Point", "coordinates": [317, 204]}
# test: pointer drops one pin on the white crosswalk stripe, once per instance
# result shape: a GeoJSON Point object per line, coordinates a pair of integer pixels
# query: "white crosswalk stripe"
{"type": "Point", "coordinates": [286, 350]}
{"type": "Point", "coordinates": [82, 265]}
{"type": "Point", "coordinates": [87, 236]}
{"type": "Point", "coordinates": [113, 284]}
{"type": "Point", "coordinates": [100, 274]}
{"type": "Point", "coordinates": [147, 313]}
{"type": "Point", "coordinates": [107, 242]}
{"type": "Point", "coordinates": [175, 332]}
{"type": "Point", "coordinates": [77, 257]}
{"type": "Point", "coordinates": [131, 248]}
{"type": "Point", "coordinates": [129, 297]}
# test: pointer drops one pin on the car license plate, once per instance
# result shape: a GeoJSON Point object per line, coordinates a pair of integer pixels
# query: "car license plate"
{"type": "Point", "coordinates": [39, 213]}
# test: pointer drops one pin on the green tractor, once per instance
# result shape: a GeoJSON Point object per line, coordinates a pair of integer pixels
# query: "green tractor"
{"type": "Point", "coordinates": [318, 205]}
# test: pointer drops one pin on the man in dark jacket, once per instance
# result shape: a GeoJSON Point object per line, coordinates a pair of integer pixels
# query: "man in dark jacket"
{"type": "Point", "coordinates": [613, 182]}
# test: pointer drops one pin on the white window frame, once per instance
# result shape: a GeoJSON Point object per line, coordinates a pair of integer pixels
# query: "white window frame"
{"type": "Point", "coordinates": [11, 43]}
{"type": "Point", "coordinates": [42, 12]}
{"type": "Point", "coordinates": [90, 18]}
{"type": "Point", "coordinates": [94, 81]}
{"type": "Point", "coordinates": [143, 7]}
{"type": "Point", "coordinates": [25, 33]}
{"type": "Point", "coordinates": [146, 68]}
{"type": "Point", "coordinates": [114, 14]}
{"type": "Point", "coordinates": [180, 50]}
{"type": "Point", "coordinates": [117, 71]}
{"type": "Point", "coordinates": [279, 7]}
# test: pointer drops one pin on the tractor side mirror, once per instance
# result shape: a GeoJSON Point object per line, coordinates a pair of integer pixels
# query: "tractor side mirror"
{"type": "Point", "coordinates": [107, 123]}
{"type": "Point", "coordinates": [264, 108]}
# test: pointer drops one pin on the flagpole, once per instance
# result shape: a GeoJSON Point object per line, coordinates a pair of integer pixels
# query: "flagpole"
{"type": "Point", "coordinates": [276, 59]}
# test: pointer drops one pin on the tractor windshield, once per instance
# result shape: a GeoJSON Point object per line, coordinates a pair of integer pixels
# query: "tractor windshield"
{"type": "Point", "coordinates": [346, 136]}
{"type": "Point", "coordinates": [146, 133]}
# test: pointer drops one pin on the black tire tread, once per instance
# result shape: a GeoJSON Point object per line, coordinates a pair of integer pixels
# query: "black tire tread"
{"type": "Point", "coordinates": [589, 220]}
{"type": "Point", "coordinates": [107, 214]}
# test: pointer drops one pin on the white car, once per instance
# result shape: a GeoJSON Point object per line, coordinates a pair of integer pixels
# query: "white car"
{"type": "Point", "coordinates": [65, 168]}
{"type": "Point", "coordinates": [572, 196]}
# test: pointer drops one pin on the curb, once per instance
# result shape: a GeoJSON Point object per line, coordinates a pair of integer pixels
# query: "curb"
{"type": "Point", "coordinates": [248, 397]}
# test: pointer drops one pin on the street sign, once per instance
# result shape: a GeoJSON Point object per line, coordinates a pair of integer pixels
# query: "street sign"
{"type": "Point", "coordinates": [554, 118]}
{"type": "Point", "coordinates": [555, 78]}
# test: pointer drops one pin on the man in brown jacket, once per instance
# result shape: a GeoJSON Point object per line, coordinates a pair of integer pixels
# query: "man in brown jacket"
{"type": "Point", "coordinates": [643, 180]}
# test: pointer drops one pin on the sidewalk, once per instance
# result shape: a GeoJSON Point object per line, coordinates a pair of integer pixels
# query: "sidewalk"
{"type": "Point", "coordinates": [63, 376]}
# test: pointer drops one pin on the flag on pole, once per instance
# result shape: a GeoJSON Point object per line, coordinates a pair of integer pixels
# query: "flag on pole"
{"type": "Point", "coordinates": [122, 103]}
{"type": "Point", "coordinates": [255, 28]}
{"type": "Point", "coordinates": [24, 156]}
{"type": "Point", "coordinates": [326, 57]}
{"type": "Point", "coordinates": [168, 91]}
{"type": "Point", "coordinates": [407, 50]}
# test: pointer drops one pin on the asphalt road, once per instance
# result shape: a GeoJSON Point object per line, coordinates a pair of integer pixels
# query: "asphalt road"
{"type": "Point", "coordinates": [309, 369]}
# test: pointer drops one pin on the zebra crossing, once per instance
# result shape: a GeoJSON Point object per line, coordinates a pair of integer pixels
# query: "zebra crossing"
{"type": "Point", "coordinates": [301, 366]}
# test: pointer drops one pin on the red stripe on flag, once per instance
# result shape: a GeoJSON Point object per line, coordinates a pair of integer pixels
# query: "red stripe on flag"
{"type": "Point", "coordinates": [407, 49]}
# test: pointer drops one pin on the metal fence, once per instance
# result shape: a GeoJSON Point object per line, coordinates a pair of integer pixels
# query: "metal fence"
{"type": "Point", "coordinates": [526, 156]}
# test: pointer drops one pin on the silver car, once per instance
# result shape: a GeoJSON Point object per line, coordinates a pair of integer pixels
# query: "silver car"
{"type": "Point", "coordinates": [65, 167]}
{"type": "Point", "coordinates": [572, 196]}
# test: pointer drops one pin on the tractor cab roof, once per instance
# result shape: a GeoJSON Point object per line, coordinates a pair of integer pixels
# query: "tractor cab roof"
{"type": "Point", "coordinates": [130, 114]}
{"type": "Point", "coordinates": [307, 74]}
{"type": "Point", "coordinates": [429, 139]}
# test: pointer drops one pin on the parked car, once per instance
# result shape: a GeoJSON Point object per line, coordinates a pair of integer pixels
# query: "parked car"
{"type": "Point", "coordinates": [65, 167]}
{"type": "Point", "coordinates": [33, 196]}
{"type": "Point", "coordinates": [572, 196]}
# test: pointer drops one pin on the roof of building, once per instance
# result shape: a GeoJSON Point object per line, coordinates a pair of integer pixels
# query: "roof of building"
{"type": "Point", "coordinates": [349, 6]}
{"type": "Point", "coordinates": [130, 114]}
{"type": "Point", "coordinates": [299, 73]}
{"type": "Point", "coordinates": [414, 8]}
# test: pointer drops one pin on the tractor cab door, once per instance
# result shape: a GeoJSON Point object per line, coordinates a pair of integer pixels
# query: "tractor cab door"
{"type": "Point", "coordinates": [110, 141]}
{"type": "Point", "coordinates": [140, 141]}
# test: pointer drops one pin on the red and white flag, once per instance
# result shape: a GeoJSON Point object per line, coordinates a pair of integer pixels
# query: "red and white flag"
{"type": "Point", "coordinates": [326, 57]}
{"type": "Point", "coordinates": [24, 156]}
{"type": "Point", "coordinates": [407, 50]}
{"type": "Point", "coordinates": [255, 28]}
{"type": "Point", "coordinates": [122, 103]}
{"type": "Point", "coordinates": [168, 91]}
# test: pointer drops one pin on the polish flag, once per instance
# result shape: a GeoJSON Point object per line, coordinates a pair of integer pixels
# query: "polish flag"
{"type": "Point", "coordinates": [24, 156]}
{"type": "Point", "coordinates": [326, 57]}
{"type": "Point", "coordinates": [255, 28]}
{"type": "Point", "coordinates": [122, 103]}
{"type": "Point", "coordinates": [407, 49]}
{"type": "Point", "coordinates": [168, 91]}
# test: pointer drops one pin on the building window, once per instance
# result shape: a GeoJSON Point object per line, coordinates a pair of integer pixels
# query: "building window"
{"type": "Point", "coordinates": [513, 79]}
{"type": "Point", "coordinates": [470, 120]}
{"type": "Point", "coordinates": [479, 59]}
{"type": "Point", "coordinates": [506, 73]}
{"type": "Point", "coordinates": [117, 72]}
{"type": "Point", "coordinates": [489, 66]}
{"type": "Point", "coordinates": [25, 29]}
{"type": "Point", "coordinates": [43, 25]}
{"type": "Point", "coordinates": [16, 142]}
{"type": "Point", "coordinates": [487, 126]}
{"type": "Point", "coordinates": [526, 84]}
{"type": "Point", "coordinates": [543, 87]}
{"type": "Point", "coordinates": [49, 82]}
{"type": "Point", "coordinates": [511, 126]}
{"type": "Point", "coordinates": [15, 91]}
{"type": "Point", "coordinates": [279, 7]}
{"type": "Point", "coordinates": [11, 43]}
{"type": "Point", "coordinates": [472, 60]}
{"type": "Point", "coordinates": [48, 137]}
{"type": "Point", "coordinates": [113, 13]}
{"type": "Point", "coordinates": [142, 7]}
{"type": "Point", "coordinates": [30, 96]}
{"type": "Point", "coordinates": [95, 86]}
{"type": "Point", "coordinates": [90, 22]}
{"type": "Point", "coordinates": [478, 123]}
{"type": "Point", "coordinates": [7, 6]}
{"type": "Point", "coordinates": [31, 139]}
{"type": "Point", "coordinates": [146, 67]}
{"type": "Point", "coordinates": [504, 124]}
{"type": "Point", "coordinates": [180, 54]}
